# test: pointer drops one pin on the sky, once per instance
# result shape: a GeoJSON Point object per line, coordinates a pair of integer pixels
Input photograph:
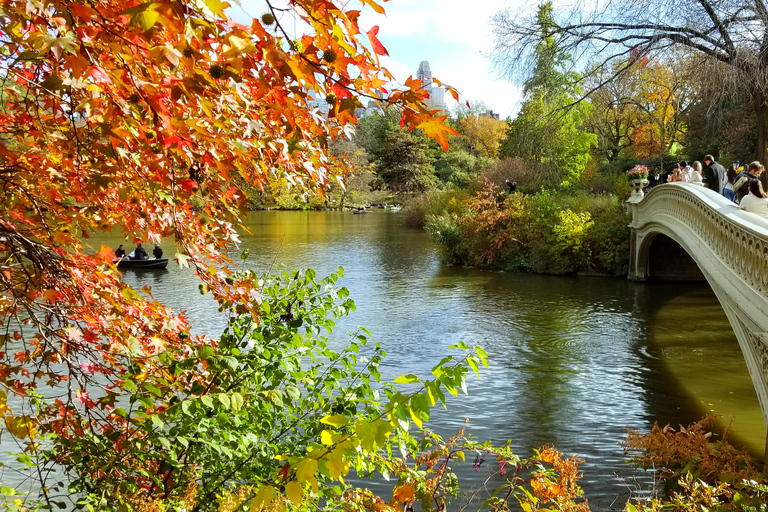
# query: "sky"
{"type": "Point", "coordinates": [454, 36]}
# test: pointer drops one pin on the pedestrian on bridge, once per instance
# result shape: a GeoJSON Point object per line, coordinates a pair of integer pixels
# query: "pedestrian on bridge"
{"type": "Point", "coordinates": [714, 175]}
{"type": "Point", "coordinates": [755, 201]}
{"type": "Point", "coordinates": [741, 185]}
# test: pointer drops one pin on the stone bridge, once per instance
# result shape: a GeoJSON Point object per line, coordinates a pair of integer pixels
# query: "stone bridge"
{"type": "Point", "coordinates": [679, 222]}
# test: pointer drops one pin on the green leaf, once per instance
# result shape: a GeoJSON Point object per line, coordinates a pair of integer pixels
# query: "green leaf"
{"type": "Point", "coordinates": [157, 421]}
{"type": "Point", "coordinates": [224, 399]}
{"type": "Point", "coordinates": [153, 389]}
{"type": "Point", "coordinates": [145, 20]}
{"type": "Point", "coordinates": [185, 405]}
{"type": "Point", "coordinates": [472, 362]}
{"type": "Point", "coordinates": [205, 352]}
{"type": "Point", "coordinates": [293, 392]}
{"type": "Point", "coordinates": [407, 379]}
{"type": "Point", "coordinates": [236, 400]}
{"type": "Point", "coordinates": [207, 400]}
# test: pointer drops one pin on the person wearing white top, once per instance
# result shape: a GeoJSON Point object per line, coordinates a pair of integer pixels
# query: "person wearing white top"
{"type": "Point", "coordinates": [693, 174]}
{"type": "Point", "coordinates": [755, 201]}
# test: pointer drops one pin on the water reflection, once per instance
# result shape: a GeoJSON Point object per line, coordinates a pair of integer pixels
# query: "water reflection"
{"type": "Point", "coordinates": [574, 361]}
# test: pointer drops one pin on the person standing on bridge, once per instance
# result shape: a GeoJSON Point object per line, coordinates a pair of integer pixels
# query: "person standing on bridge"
{"type": "Point", "coordinates": [714, 175]}
{"type": "Point", "coordinates": [756, 201]}
{"type": "Point", "coordinates": [695, 175]}
{"type": "Point", "coordinates": [741, 185]}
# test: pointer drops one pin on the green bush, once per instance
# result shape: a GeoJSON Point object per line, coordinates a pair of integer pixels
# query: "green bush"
{"type": "Point", "coordinates": [434, 202]}
{"type": "Point", "coordinates": [551, 232]}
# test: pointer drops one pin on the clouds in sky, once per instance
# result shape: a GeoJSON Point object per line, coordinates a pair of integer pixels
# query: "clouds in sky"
{"type": "Point", "coordinates": [453, 35]}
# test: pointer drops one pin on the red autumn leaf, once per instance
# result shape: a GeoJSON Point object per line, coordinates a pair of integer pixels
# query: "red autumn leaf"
{"type": "Point", "coordinates": [189, 185]}
{"type": "Point", "coordinates": [52, 295]}
{"type": "Point", "coordinates": [99, 75]}
{"type": "Point", "coordinates": [378, 48]}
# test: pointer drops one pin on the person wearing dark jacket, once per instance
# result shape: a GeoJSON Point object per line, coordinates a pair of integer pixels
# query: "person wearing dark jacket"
{"type": "Point", "coordinates": [139, 253]}
{"type": "Point", "coordinates": [714, 174]}
{"type": "Point", "coordinates": [120, 252]}
{"type": "Point", "coordinates": [157, 252]}
{"type": "Point", "coordinates": [741, 184]}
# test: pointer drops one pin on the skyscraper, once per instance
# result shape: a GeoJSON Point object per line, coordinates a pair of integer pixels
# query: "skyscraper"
{"type": "Point", "coordinates": [424, 73]}
{"type": "Point", "coordinates": [436, 98]}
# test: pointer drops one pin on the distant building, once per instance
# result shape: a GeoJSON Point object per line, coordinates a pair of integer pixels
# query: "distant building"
{"type": "Point", "coordinates": [491, 114]}
{"type": "Point", "coordinates": [318, 103]}
{"type": "Point", "coordinates": [436, 98]}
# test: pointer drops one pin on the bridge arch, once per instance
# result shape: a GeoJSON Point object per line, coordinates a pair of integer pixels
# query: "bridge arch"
{"type": "Point", "coordinates": [730, 249]}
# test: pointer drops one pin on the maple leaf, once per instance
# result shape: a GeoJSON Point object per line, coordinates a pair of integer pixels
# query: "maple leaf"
{"type": "Point", "coordinates": [435, 128]}
{"type": "Point", "coordinates": [99, 75]}
{"type": "Point", "coordinates": [52, 295]}
{"type": "Point", "coordinates": [375, 43]}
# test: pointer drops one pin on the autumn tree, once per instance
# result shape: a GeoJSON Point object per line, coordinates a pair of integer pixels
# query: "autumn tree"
{"type": "Point", "coordinates": [484, 134]}
{"type": "Point", "coordinates": [733, 35]}
{"type": "Point", "coordinates": [355, 188]}
{"type": "Point", "coordinates": [145, 117]}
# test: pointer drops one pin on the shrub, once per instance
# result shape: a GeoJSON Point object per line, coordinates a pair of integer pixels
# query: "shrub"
{"type": "Point", "coordinates": [528, 179]}
{"type": "Point", "coordinates": [697, 472]}
{"type": "Point", "coordinates": [606, 242]}
{"type": "Point", "coordinates": [433, 203]}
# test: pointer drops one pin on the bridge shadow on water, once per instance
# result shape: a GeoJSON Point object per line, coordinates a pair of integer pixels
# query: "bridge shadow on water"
{"type": "Point", "coordinates": [699, 368]}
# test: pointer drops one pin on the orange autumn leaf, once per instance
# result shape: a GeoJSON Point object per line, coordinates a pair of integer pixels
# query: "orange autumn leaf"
{"type": "Point", "coordinates": [403, 494]}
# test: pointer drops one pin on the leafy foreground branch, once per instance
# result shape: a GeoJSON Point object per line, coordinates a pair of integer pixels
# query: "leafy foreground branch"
{"type": "Point", "coordinates": [697, 472]}
{"type": "Point", "coordinates": [272, 418]}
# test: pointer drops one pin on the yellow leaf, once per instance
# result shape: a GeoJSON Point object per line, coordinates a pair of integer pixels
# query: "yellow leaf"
{"type": "Point", "coordinates": [415, 417]}
{"type": "Point", "coordinates": [145, 20]}
{"type": "Point", "coordinates": [217, 7]}
{"type": "Point", "coordinates": [336, 465]}
{"type": "Point", "coordinates": [376, 7]}
{"type": "Point", "coordinates": [294, 492]}
{"type": "Point", "coordinates": [403, 494]}
{"type": "Point", "coordinates": [241, 45]}
{"type": "Point", "coordinates": [21, 426]}
{"type": "Point", "coordinates": [263, 498]}
{"type": "Point", "coordinates": [326, 437]}
{"type": "Point", "coordinates": [4, 409]}
{"type": "Point", "coordinates": [335, 420]}
{"type": "Point", "coordinates": [306, 470]}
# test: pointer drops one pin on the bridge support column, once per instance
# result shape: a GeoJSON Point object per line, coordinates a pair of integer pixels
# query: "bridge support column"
{"type": "Point", "coordinates": [638, 270]}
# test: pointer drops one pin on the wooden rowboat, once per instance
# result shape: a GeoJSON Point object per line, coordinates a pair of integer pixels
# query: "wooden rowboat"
{"type": "Point", "coordinates": [150, 264]}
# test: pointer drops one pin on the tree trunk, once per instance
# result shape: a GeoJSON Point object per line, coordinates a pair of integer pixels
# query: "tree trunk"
{"type": "Point", "coordinates": [761, 150]}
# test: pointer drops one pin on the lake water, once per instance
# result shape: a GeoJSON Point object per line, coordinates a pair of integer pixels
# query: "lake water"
{"type": "Point", "coordinates": [574, 361]}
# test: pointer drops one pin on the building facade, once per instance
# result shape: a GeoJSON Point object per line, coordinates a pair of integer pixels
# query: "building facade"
{"type": "Point", "coordinates": [436, 100]}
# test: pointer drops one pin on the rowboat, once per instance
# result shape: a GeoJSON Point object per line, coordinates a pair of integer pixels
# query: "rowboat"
{"type": "Point", "coordinates": [153, 264]}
